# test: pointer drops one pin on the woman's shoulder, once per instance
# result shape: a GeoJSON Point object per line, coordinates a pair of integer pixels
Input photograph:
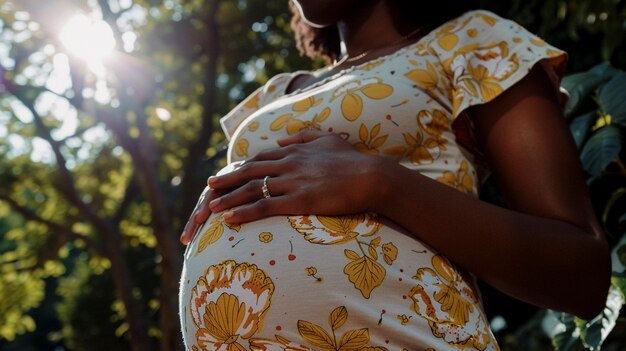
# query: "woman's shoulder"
{"type": "Point", "coordinates": [485, 38]}
{"type": "Point", "coordinates": [476, 26]}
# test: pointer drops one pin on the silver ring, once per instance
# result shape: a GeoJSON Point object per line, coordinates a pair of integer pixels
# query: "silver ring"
{"type": "Point", "coordinates": [266, 191]}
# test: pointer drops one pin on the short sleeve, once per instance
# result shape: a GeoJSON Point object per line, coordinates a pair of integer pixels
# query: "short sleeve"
{"type": "Point", "coordinates": [484, 55]}
{"type": "Point", "coordinates": [270, 91]}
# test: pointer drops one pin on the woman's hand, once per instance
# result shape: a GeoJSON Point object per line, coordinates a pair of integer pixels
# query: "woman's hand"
{"type": "Point", "coordinates": [199, 215]}
{"type": "Point", "coordinates": [310, 173]}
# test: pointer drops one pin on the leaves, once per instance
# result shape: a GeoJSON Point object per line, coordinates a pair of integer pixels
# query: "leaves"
{"type": "Point", "coordinates": [618, 280]}
{"type": "Point", "coordinates": [351, 255]}
{"type": "Point", "coordinates": [377, 90]}
{"type": "Point", "coordinates": [596, 330]}
{"type": "Point", "coordinates": [612, 99]}
{"type": "Point", "coordinates": [591, 334]}
{"type": "Point", "coordinates": [366, 274]}
{"type": "Point", "coordinates": [212, 234]}
{"type": "Point", "coordinates": [241, 147]}
{"type": "Point", "coordinates": [390, 253]}
{"type": "Point", "coordinates": [580, 126]}
{"type": "Point", "coordinates": [579, 86]}
{"type": "Point", "coordinates": [602, 148]}
{"type": "Point", "coordinates": [338, 317]}
{"type": "Point", "coordinates": [354, 340]}
{"type": "Point", "coordinates": [316, 335]}
{"type": "Point", "coordinates": [566, 339]}
{"type": "Point", "coordinates": [351, 106]}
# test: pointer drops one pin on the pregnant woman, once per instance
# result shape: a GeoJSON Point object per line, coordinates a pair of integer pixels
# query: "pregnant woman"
{"type": "Point", "coordinates": [348, 216]}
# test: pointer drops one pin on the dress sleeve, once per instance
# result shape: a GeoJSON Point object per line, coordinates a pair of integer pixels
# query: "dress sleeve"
{"type": "Point", "coordinates": [483, 55]}
{"type": "Point", "coordinates": [274, 88]}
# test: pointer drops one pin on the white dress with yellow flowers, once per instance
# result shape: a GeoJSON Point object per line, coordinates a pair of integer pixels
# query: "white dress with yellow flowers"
{"type": "Point", "coordinates": [359, 282]}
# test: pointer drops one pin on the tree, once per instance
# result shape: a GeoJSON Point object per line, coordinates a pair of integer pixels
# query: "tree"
{"type": "Point", "coordinates": [100, 165]}
{"type": "Point", "coordinates": [127, 172]}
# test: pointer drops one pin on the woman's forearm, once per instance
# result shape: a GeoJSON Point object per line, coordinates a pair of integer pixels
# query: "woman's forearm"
{"type": "Point", "coordinates": [546, 262]}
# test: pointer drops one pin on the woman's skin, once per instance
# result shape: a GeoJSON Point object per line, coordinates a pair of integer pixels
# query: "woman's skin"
{"type": "Point", "coordinates": [546, 249]}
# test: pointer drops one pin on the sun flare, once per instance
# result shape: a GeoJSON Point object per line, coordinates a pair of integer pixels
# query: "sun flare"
{"type": "Point", "coordinates": [91, 40]}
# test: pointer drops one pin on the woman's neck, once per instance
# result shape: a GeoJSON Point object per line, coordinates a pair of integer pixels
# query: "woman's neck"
{"type": "Point", "coordinates": [372, 28]}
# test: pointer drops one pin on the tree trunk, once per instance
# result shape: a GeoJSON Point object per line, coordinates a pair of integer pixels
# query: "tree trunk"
{"type": "Point", "coordinates": [139, 339]}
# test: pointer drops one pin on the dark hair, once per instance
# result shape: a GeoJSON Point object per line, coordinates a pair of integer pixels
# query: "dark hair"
{"type": "Point", "coordinates": [324, 42]}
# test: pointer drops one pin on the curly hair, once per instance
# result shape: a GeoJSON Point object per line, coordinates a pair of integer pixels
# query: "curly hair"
{"type": "Point", "coordinates": [325, 42]}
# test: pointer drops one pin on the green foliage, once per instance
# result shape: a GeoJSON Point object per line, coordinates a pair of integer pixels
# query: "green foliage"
{"type": "Point", "coordinates": [591, 31]}
{"type": "Point", "coordinates": [99, 174]}
{"type": "Point", "coordinates": [86, 291]}
{"type": "Point", "coordinates": [597, 112]}
{"type": "Point", "coordinates": [22, 289]}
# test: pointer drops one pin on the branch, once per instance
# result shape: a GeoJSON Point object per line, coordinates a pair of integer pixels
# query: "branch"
{"type": "Point", "coordinates": [131, 192]}
{"type": "Point", "coordinates": [65, 232]}
{"type": "Point", "coordinates": [109, 17]}
{"type": "Point", "coordinates": [67, 186]}
{"type": "Point", "coordinates": [193, 180]}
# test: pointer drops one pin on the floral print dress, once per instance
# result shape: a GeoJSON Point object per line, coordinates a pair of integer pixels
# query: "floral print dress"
{"type": "Point", "coordinates": [359, 282]}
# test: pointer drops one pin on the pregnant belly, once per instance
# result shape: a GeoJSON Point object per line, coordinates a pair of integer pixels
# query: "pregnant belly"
{"type": "Point", "coordinates": [320, 282]}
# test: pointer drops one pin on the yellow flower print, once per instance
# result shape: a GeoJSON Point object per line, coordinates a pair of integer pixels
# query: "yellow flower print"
{"type": "Point", "coordinates": [294, 124]}
{"type": "Point", "coordinates": [252, 102]}
{"type": "Point", "coordinates": [214, 232]}
{"type": "Point", "coordinates": [478, 71]}
{"type": "Point", "coordinates": [390, 253]}
{"type": "Point", "coordinates": [422, 50]}
{"type": "Point", "coordinates": [253, 126]}
{"type": "Point", "coordinates": [538, 41]}
{"type": "Point", "coordinates": [554, 53]}
{"type": "Point", "coordinates": [461, 180]}
{"type": "Point", "coordinates": [421, 149]}
{"type": "Point", "coordinates": [427, 79]}
{"type": "Point", "coordinates": [312, 272]}
{"type": "Point", "coordinates": [305, 104]}
{"type": "Point", "coordinates": [404, 319]}
{"type": "Point", "coordinates": [228, 304]}
{"type": "Point", "coordinates": [279, 344]}
{"type": "Point", "coordinates": [332, 230]}
{"type": "Point", "coordinates": [352, 103]}
{"type": "Point", "coordinates": [371, 65]}
{"type": "Point", "coordinates": [241, 147]}
{"type": "Point", "coordinates": [370, 141]}
{"type": "Point", "coordinates": [352, 340]}
{"type": "Point", "coordinates": [363, 271]}
{"type": "Point", "coordinates": [434, 122]}
{"type": "Point", "coordinates": [448, 41]}
{"type": "Point", "coordinates": [488, 86]}
{"type": "Point", "coordinates": [265, 237]}
{"type": "Point", "coordinates": [472, 32]}
{"type": "Point", "coordinates": [416, 149]}
{"type": "Point", "coordinates": [488, 19]}
{"type": "Point", "coordinates": [446, 301]}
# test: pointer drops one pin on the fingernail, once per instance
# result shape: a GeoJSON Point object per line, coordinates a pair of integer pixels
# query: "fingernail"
{"type": "Point", "coordinates": [184, 234]}
{"type": "Point", "coordinates": [215, 202]}
{"type": "Point", "coordinates": [228, 214]}
{"type": "Point", "coordinates": [212, 180]}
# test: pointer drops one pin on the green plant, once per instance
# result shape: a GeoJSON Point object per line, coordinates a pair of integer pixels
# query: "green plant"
{"type": "Point", "coordinates": [596, 113]}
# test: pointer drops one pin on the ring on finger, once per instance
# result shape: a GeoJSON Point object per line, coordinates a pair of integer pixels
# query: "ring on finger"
{"type": "Point", "coordinates": [265, 189]}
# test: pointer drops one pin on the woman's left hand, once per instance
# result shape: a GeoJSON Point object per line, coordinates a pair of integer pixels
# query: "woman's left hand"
{"type": "Point", "coordinates": [310, 173]}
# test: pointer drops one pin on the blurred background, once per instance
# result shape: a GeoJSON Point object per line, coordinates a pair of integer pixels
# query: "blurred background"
{"type": "Point", "coordinates": [109, 128]}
